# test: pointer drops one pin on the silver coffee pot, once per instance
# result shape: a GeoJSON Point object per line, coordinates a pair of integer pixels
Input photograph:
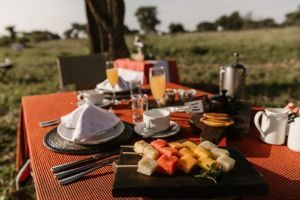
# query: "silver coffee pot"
{"type": "Point", "coordinates": [232, 79]}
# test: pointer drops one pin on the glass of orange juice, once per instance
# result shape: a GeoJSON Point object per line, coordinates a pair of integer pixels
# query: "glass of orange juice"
{"type": "Point", "coordinates": [157, 78]}
{"type": "Point", "coordinates": [112, 76]}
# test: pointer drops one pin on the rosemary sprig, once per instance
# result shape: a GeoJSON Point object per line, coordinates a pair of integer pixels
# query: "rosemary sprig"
{"type": "Point", "coordinates": [212, 173]}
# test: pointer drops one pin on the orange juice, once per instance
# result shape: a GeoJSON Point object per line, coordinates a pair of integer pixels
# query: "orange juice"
{"type": "Point", "coordinates": [158, 86]}
{"type": "Point", "coordinates": [112, 76]}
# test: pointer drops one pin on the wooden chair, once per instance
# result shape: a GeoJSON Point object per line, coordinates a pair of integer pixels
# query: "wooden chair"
{"type": "Point", "coordinates": [84, 72]}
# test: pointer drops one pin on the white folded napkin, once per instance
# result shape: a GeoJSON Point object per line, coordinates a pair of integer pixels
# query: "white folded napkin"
{"type": "Point", "coordinates": [121, 86]}
{"type": "Point", "coordinates": [89, 120]}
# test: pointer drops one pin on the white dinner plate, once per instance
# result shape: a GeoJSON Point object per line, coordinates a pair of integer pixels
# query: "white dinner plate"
{"type": "Point", "coordinates": [66, 133]}
{"type": "Point", "coordinates": [104, 103]}
{"type": "Point", "coordinates": [175, 128]}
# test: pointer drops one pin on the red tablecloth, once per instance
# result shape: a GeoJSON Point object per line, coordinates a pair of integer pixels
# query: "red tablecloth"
{"type": "Point", "coordinates": [279, 165]}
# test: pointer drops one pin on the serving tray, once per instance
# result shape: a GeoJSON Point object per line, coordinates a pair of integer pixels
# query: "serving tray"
{"type": "Point", "coordinates": [241, 181]}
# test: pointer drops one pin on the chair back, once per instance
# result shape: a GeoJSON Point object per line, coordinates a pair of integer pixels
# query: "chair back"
{"type": "Point", "coordinates": [84, 72]}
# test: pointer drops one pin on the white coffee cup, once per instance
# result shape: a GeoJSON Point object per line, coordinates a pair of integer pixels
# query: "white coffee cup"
{"type": "Point", "coordinates": [156, 119]}
{"type": "Point", "coordinates": [93, 96]}
{"type": "Point", "coordinates": [273, 126]}
{"type": "Point", "coordinates": [293, 141]}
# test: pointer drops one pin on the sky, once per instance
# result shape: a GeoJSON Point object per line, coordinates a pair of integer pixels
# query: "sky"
{"type": "Point", "coordinates": [57, 15]}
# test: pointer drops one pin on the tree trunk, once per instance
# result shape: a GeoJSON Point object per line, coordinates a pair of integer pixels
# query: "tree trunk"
{"type": "Point", "coordinates": [106, 28]}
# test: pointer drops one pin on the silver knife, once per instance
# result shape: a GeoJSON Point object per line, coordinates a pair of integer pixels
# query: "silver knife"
{"type": "Point", "coordinates": [75, 177]}
{"type": "Point", "coordinates": [59, 168]}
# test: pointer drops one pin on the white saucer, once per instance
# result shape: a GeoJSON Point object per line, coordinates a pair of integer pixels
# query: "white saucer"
{"type": "Point", "coordinates": [105, 102]}
{"type": "Point", "coordinates": [138, 128]}
{"type": "Point", "coordinates": [66, 134]}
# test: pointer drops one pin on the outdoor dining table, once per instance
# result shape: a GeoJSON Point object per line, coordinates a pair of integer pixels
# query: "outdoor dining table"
{"type": "Point", "coordinates": [279, 165]}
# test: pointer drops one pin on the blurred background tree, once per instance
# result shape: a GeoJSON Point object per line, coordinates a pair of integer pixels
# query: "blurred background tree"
{"type": "Point", "coordinates": [147, 18]}
{"type": "Point", "coordinates": [176, 28]}
{"type": "Point", "coordinates": [231, 22]}
{"type": "Point", "coordinates": [206, 26]}
{"type": "Point", "coordinates": [293, 18]}
{"type": "Point", "coordinates": [75, 30]}
{"type": "Point", "coordinates": [12, 33]}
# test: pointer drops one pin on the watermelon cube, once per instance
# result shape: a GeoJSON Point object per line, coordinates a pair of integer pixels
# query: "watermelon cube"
{"type": "Point", "coordinates": [167, 164]}
{"type": "Point", "coordinates": [168, 151]}
{"type": "Point", "coordinates": [159, 143]}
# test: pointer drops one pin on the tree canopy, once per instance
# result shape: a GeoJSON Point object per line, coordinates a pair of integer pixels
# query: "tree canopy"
{"type": "Point", "coordinates": [176, 28]}
{"type": "Point", "coordinates": [147, 18]}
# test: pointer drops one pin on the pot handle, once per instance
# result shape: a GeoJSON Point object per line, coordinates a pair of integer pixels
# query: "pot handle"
{"type": "Point", "coordinates": [221, 83]}
{"type": "Point", "coordinates": [257, 124]}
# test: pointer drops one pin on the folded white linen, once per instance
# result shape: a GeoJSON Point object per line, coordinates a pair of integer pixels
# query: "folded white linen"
{"type": "Point", "coordinates": [89, 120]}
{"type": "Point", "coordinates": [121, 86]}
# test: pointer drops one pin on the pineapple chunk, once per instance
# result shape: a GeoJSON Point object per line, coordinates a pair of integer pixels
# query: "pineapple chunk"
{"type": "Point", "coordinates": [147, 166]}
{"type": "Point", "coordinates": [208, 145]}
{"type": "Point", "coordinates": [139, 146]}
{"type": "Point", "coordinates": [205, 163]}
{"type": "Point", "coordinates": [201, 152]}
{"type": "Point", "coordinates": [192, 146]}
{"type": "Point", "coordinates": [150, 152]}
{"type": "Point", "coordinates": [217, 152]}
{"type": "Point", "coordinates": [226, 162]}
{"type": "Point", "coordinates": [185, 151]}
{"type": "Point", "coordinates": [186, 163]}
{"type": "Point", "coordinates": [176, 145]}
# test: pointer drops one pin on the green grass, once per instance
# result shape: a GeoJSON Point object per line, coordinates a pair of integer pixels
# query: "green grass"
{"type": "Point", "coordinates": [272, 58]}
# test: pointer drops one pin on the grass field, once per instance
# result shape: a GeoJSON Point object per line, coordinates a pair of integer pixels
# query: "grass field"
{"type": "Point", "coordinates": [272, 58]}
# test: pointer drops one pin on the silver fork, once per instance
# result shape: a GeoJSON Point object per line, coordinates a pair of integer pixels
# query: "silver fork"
{"type": "Point", "coordinates": [189, 107]}
{"type": "Point", "coordinates": [49, 123]}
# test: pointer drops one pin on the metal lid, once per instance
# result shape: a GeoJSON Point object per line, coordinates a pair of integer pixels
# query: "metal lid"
{"type": "Point", "coordinates": [236, 63]}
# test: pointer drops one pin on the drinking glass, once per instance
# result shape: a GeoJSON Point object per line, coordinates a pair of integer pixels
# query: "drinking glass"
{"type": "Point", "coordinates": [139, 103]}
{"type": "Point", "coordinates": [157, 78]}
{"type": "Point", "coordinates": [112, 76]}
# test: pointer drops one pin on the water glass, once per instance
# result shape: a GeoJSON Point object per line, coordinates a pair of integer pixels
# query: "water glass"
{"type": "Point", "coordinates": [139, 104]}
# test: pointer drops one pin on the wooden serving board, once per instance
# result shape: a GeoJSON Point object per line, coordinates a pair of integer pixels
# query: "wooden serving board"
{"type": "Point", "coordinates": [241, 181]}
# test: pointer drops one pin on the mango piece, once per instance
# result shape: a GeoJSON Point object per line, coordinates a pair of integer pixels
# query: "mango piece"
{"type": "Point", "coordinates": [186, 163]}
{"type": "Point", "coordinates": [186, 152]}
{"type": "Point", "coordinates": [217, 152]}
{"type": "Point", "coordinates": [176, 145]}
{"type": "Point", "coordinates": [192, 146]}
{"type": "Point", "coordinates": [205, 163]}
{"type": "Point", "coordinates": [202, 152]}
{"type": "Point", "coordinates": [208, 145]}
{"type": "Point", "coordinates": [226, 162]}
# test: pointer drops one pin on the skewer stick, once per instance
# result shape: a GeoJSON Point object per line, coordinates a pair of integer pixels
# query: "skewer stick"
{"type": "Point", "coordinates": [115, 166]}
{"type": "Point", "coordinates": [131, 153]}
{"type": "Point", "coordinates": [126, 146]}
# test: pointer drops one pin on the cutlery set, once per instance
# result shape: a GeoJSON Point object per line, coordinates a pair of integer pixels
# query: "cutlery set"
{"type": "Point", "coordinates": [69, 172]}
